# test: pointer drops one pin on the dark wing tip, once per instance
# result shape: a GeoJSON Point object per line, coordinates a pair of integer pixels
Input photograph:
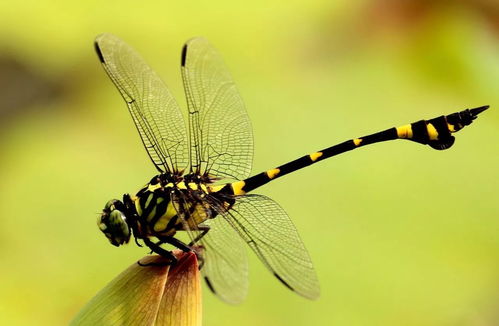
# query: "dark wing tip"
{"type": "Point", "coordinates": [184, 55]}
{"type": "Point", "coordinates": [309, 295]}
{"type": "Point", "coordinates": [210, 286]}
{"type": "Point", "coordinates": [98, 51]}
{"type": "Point", "coordinates": [283, 282]}
{"type": "Point", "coordinates": [477, 111]}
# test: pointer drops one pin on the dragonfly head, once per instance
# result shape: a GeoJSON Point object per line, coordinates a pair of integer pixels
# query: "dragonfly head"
{"type": "Point", "coordinates": [112, 222]}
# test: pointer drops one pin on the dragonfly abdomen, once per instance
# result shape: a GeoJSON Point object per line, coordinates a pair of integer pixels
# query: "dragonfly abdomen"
{"type": "Point", "coordinates": [437, 132]}
{"type": "Point", "coordinates": [434, 132]}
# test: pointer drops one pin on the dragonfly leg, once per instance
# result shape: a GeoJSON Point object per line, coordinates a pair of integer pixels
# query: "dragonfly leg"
{"type": "Point", "coordinates": [155, 247]}
{"type": "Point", "coordinates": [187, 247]}
{"type": "Point", "coordinates": [137, 241]}
{"type": "Point", "coordinates": [204, 229]}
{"type": "Point", "coordinates": [176, 242]}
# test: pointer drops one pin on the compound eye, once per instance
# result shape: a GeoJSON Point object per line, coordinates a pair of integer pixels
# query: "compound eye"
{"type": "Point", "coordinates": [110, 205]}
{"type": "Point", "coordinates": [117, 218]}
{"type": "Point", "coordinates": [112, 222]}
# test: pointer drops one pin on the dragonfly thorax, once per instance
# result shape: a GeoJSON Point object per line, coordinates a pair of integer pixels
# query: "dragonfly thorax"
{"type": "Point", "coordinates": [170, 203]}
{"type": "Point", "coordinates": [166, 204]}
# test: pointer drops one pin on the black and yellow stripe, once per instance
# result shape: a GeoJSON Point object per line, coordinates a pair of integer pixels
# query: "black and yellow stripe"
{"type": "Point", "coordinates": [156, 212]}
{"type": "Point", "coordinates": [435, 133]}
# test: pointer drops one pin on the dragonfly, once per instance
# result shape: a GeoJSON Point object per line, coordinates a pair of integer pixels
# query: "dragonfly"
{"type": "Point", "coordinates": [202, 186]}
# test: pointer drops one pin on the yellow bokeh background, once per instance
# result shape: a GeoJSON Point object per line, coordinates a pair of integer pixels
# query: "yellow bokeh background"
{"type": "Point", "coordinates": [400, 234]}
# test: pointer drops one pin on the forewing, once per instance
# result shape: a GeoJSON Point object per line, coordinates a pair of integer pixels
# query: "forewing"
{"type": "Point", "coordinates": [268, 230]}
{"type": "Point", "coordinates": [221, 138]}
{"type": "Point", "coordinates": [154, 110]}
{"type": "Point", "coordinates": [225, 265]}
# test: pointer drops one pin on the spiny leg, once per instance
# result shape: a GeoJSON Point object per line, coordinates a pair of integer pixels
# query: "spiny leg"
{"type": "Point", "coordinates": [137, 241]}
{"type": "Point", "coordinates": [155, 247]}
{"type": "Point", "coordinates": [176, 242]}
{"type": "Point", "coordinates": [204, 229]}
{"type": "Point", "coordinates": [188, 247]}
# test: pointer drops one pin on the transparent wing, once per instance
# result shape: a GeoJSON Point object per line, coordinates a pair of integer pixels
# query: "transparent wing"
{"type": "Point", "coordinates": [221, 138]}
{"type": "Point", "coordinates": [154, 110]}
{"type": "Point", "coordinates": [225, 266]}
{"type": "Point", "coordinates": [226, 263]}
{"type": "Point", "coordinates": [268, 230]}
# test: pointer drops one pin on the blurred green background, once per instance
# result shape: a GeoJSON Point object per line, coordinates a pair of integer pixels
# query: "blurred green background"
{"type": "Point", "coordinates": [400, 234]}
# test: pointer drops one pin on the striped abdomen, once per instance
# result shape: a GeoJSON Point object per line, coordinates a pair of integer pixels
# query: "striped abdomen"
{"type": "Point", "coordinates": [435, 133]}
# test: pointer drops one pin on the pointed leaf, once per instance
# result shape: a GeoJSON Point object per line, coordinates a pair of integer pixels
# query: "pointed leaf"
{"type": "Point", "coordinates": [181, 302]}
